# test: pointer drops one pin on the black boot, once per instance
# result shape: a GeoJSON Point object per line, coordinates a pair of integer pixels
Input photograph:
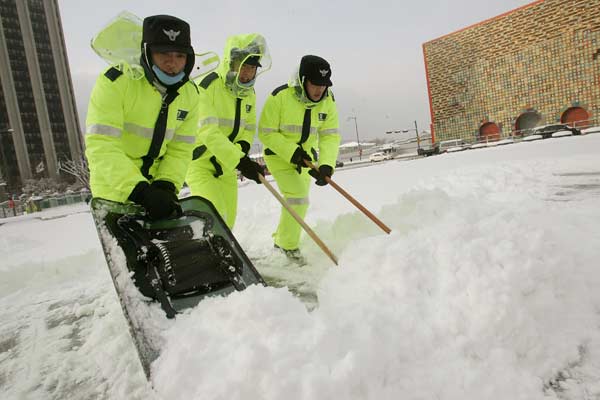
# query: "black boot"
{"type": "Point", "coordinates": [293, 255]}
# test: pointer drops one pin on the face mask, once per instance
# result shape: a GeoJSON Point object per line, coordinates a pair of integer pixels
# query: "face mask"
{"type": "Point", "coordinates": [248, 84]}
{"type": "Point", "coordinates": [167, 79]}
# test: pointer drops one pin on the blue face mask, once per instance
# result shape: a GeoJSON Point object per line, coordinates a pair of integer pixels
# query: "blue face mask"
{"type": "Point", "coordinates": [167, 79]}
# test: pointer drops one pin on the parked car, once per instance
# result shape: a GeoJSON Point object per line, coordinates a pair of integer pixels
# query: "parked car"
{"type": "Point", "coordinates": [451, 145]}
{"type": "Point", "coordinates": [375, 157]}
{"type": "Point", "coordinates": [429, 149]}
{"type": "Point", "coordinates": [339, 164]}
{"type": "Point", "coordinates": [546, 131]}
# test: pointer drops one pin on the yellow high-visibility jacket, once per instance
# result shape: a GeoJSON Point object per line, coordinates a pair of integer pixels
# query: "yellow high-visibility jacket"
{"type": "Point", "coordinates": [282, 120]}
{"type": "Point", "coordinates": [119, 128]}
{"type": "Point", "coordinates": [227, 114]}
{"type": "Point", "coordinates": [220, 110]}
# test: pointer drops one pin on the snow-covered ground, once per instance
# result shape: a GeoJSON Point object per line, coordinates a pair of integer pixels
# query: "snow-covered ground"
{"type": "Point", "coordinates": [487, 288]}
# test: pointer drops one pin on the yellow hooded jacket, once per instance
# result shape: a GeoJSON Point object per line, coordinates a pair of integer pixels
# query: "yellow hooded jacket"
{"type": "Point", "coordinates": [227, 117]}
{"type": "Point", "coordinates": [282, 120]}
{"type": "Point", "coordinates": [119, 128]}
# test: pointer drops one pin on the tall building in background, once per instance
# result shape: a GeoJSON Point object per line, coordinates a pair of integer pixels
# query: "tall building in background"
{"type": "Point", "coordinates": [538, 64]}
{"type": "Point", "coordinates": [38, 117]}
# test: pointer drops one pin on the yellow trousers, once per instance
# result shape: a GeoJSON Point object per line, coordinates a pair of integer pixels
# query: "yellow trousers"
{"type": "Point", "coordinates": [294, 187]}
{"type": "Point", "coordinates": [222, 192]}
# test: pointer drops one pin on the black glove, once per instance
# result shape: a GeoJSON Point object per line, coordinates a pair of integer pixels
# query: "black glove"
{"type": "Point", "coordinates": [324, 171]}
{"type": "Point", "coordinates": [245, 146]}
{"type": "Point", "coordinates": [250, 169]}
{"type": "Point", "coordinates": [299, 157]}
{"type": "Point", "coordinates": [159, 198]}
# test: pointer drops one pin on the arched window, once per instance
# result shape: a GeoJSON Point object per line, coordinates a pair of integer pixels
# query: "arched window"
{"type": "Point", "coordinates": [526, 121]}
{"type": "Point", "coordinates": [576, 117]}
{"type": "Point", "coordinates": [490, 131]}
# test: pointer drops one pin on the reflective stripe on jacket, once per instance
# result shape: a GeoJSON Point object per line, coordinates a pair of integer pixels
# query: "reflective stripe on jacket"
{"type": "Point", "coordinates": [119, 127]}
{"type": "Point", "coordinates": [216, 123]}
{"type": "Point", "coordinates": [281, 126]}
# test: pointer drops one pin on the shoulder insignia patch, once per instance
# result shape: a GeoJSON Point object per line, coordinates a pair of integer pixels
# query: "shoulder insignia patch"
{"type": "Point", "coordinates": [208, 79]}
{"type": "Point", "coordinates": [113, 74]}
{"type": "Point", "coordinates": [279, 89]}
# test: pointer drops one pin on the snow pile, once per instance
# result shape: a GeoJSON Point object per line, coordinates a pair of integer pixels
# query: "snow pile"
{"type": "Point", "coordinates": [482, 291]}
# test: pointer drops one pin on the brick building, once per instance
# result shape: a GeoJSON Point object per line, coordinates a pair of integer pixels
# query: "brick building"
{"type": "Point", "coordinates": [535, 65]}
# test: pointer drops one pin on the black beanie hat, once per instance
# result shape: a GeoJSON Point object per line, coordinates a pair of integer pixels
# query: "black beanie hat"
{"type": "Point", "coordinates": [162, 33]}
{"type": "Point", "coordinates": [240, 55]}
{"type": "Point", "coordinates": [316, 70]}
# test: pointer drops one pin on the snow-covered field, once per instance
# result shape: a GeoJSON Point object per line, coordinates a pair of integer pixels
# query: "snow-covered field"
{"type": "Point", "coordinates": [487, 288]}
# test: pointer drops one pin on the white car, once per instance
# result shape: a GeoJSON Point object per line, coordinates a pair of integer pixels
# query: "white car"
{"type": "Point", "coordinates": [375, 157]}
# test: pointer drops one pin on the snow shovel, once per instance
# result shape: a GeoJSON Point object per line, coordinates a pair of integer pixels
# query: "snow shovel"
{"type": "Point", "coordinates": [299, 219]}
{"type": "Point", "coordinates": [352, 200]}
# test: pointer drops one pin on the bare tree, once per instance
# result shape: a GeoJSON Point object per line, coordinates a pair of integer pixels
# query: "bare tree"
{"type": "Point", "coordinates": [77, 168]}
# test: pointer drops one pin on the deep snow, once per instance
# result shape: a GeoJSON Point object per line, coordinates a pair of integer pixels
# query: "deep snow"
{"type": "Point", "coordinates": [487, 288]}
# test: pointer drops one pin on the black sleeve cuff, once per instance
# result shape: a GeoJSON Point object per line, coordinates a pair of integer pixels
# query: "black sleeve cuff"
{"type": "Point", "coordinates": [245, 146]}
{"type": "Point", "coordinates": [137, 194]}
{"type": "Point", "coordinates": [296, 156]}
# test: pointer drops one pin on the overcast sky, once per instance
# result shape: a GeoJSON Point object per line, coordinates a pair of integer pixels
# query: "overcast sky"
{"type": "Point", "coordinates": [374, 47]}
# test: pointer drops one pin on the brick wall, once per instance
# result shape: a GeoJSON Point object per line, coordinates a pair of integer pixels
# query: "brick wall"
{"type": "Point", "coordinates": [543, 57]}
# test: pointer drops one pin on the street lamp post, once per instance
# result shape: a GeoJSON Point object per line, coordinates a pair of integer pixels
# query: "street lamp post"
{"type": "Point", "coordinates": [357, 139]}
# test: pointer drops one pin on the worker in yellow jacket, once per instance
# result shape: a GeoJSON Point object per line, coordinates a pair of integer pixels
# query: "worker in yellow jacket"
{"type": "Point", "coordinates": [299, 123]}
{"type": "Point", "coordinates": [140, 133]}
{"type": "Point", "coordinates": [228, 124]}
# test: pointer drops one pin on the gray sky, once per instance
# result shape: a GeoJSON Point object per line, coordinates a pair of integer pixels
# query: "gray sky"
{"type": "Point", "coordinates": [374, 47]}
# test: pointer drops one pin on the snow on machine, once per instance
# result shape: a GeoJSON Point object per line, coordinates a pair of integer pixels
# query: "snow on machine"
{"type": "Point", "coordinates": [160, 268]}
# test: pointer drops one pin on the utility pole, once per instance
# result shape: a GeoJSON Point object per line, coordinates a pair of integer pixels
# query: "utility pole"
{"type": "Point", "coordinates": [357, 139]}
{"type": "Point", "coordinates": [418, 138]}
